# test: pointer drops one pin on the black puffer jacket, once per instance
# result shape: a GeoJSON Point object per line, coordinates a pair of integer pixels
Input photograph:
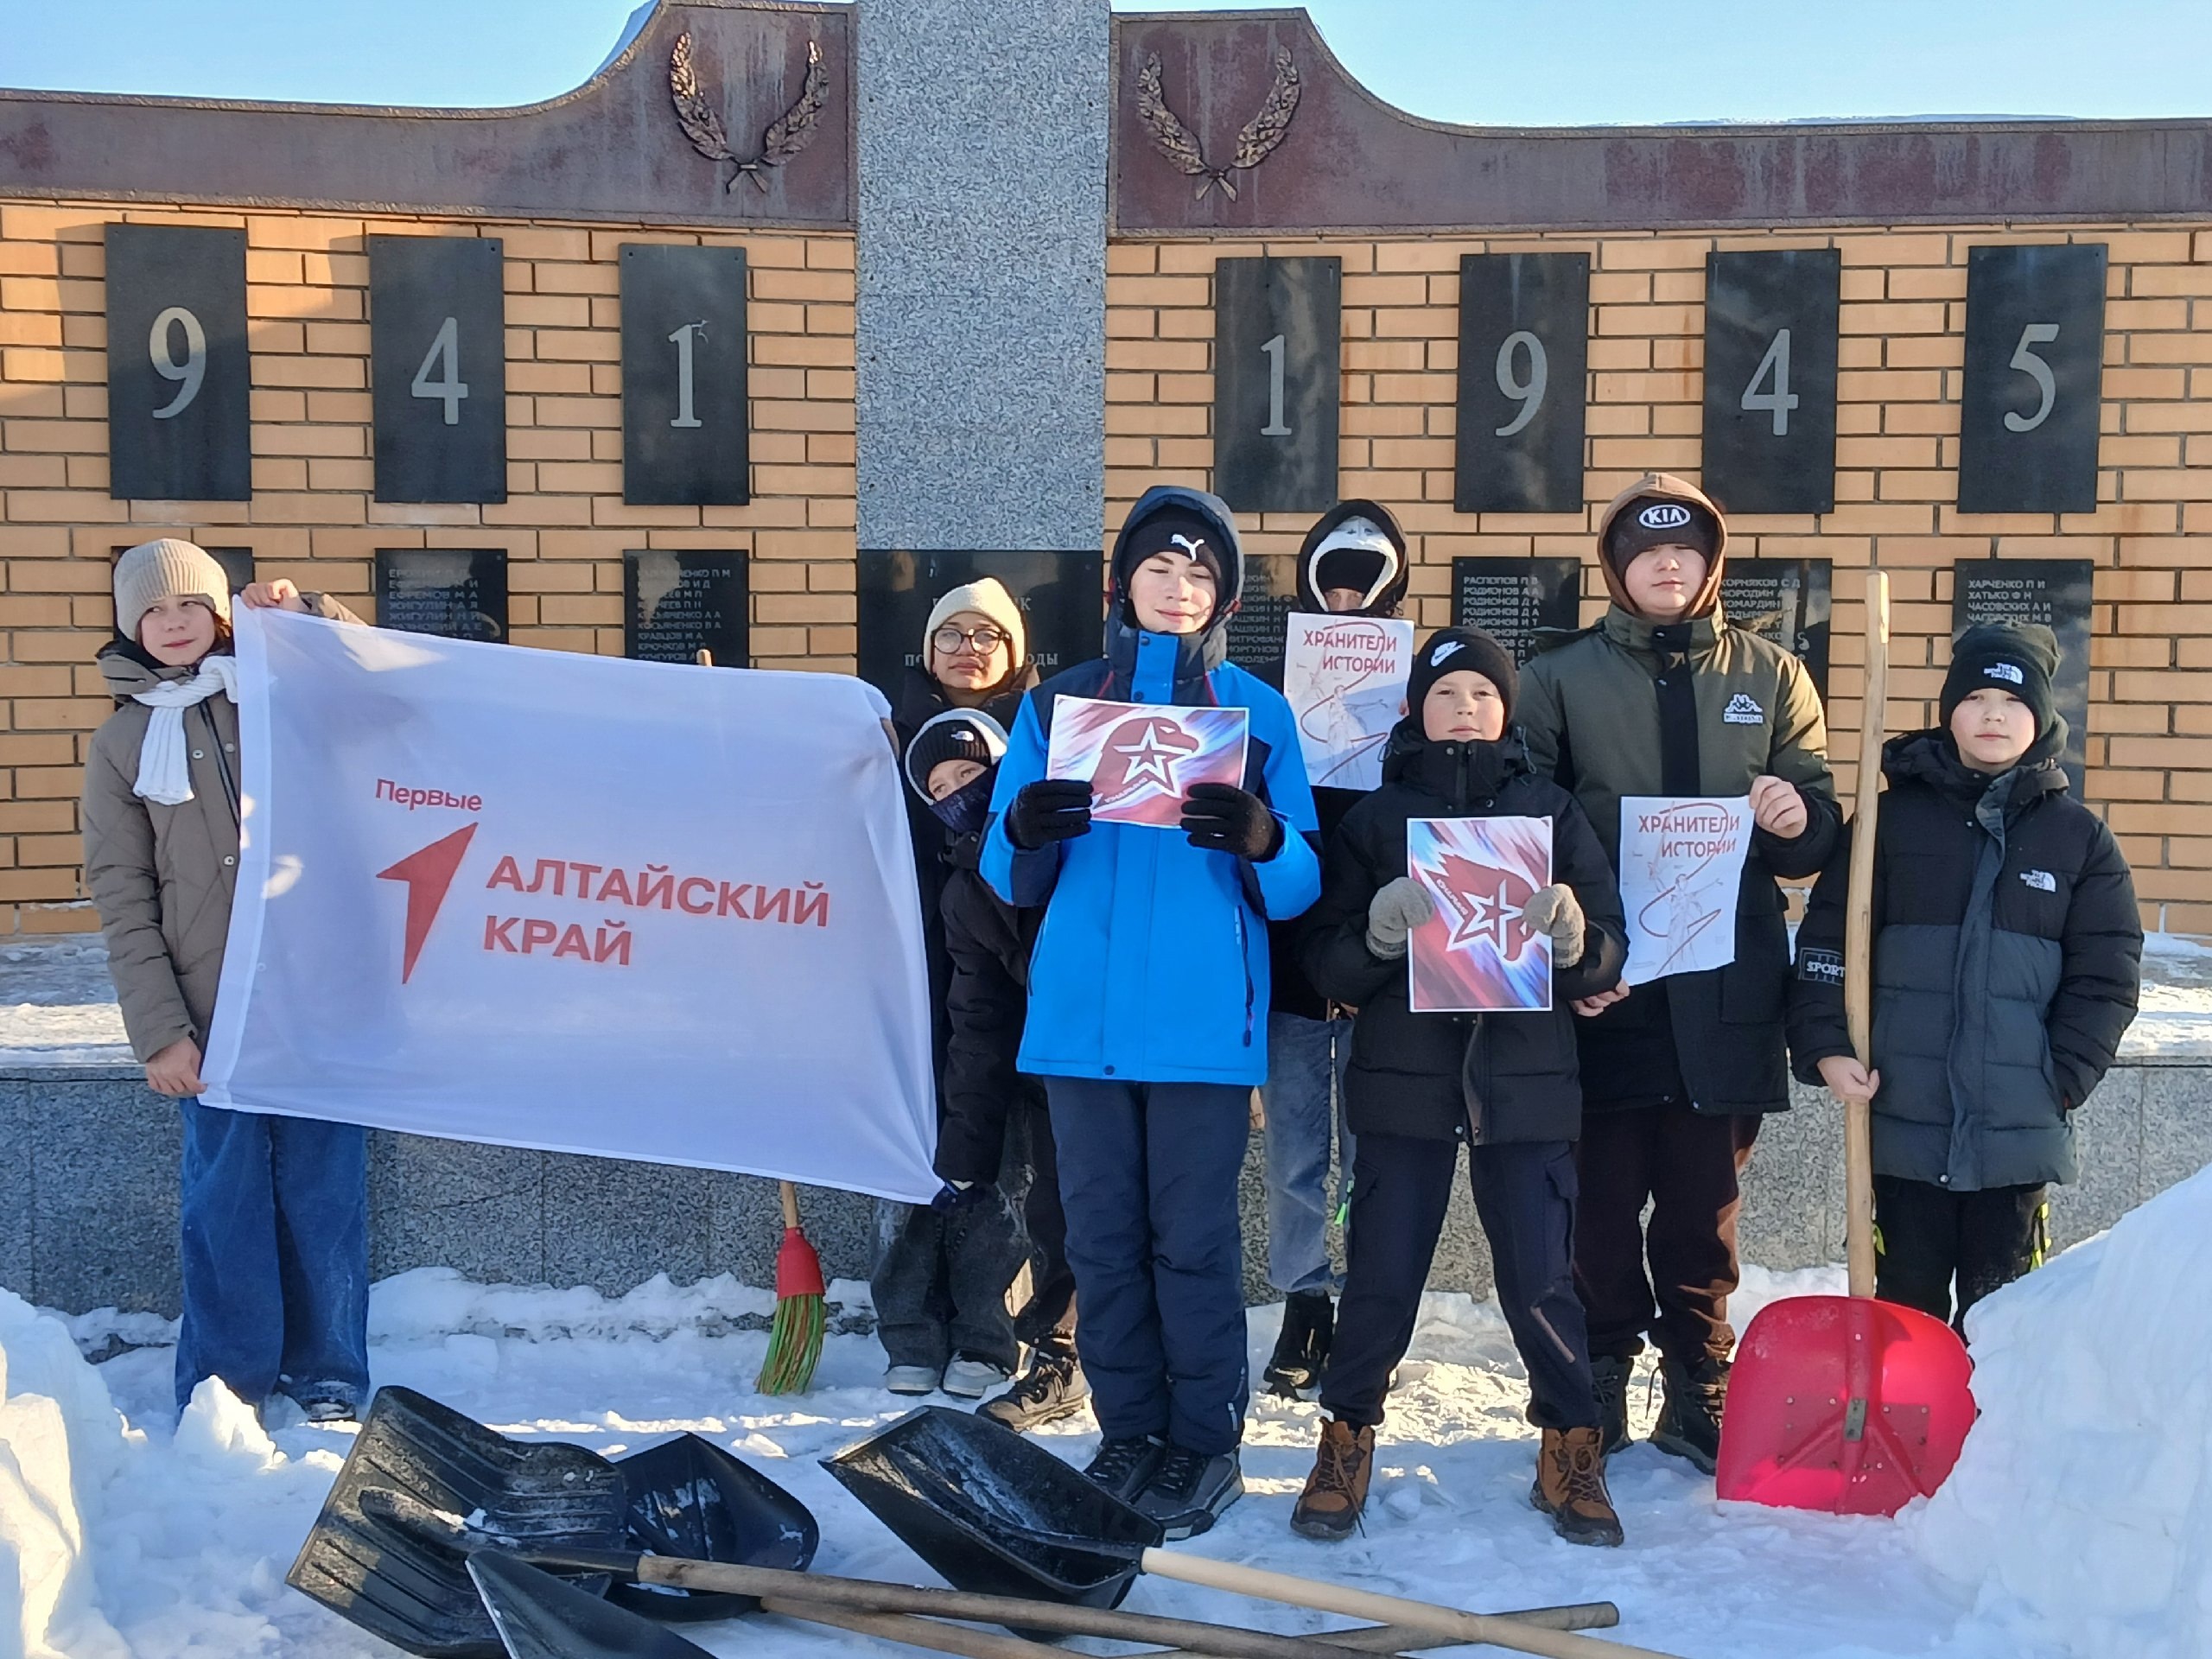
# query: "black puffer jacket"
{"type": "Point", "coordinates": [1498, 1076]}
{"type": "Point", "coordinates": [987, 943]}
{"type": "Point", "coordinates": [2007, 958]}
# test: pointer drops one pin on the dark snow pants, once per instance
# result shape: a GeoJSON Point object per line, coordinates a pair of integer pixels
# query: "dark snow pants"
{"type": "Point", "coordinates": [274, 1253]}
{"type": "Point", "coordinates": [1686, 1164]}
{"type": "Point", "coordinates": [1928, 1235]}
{"type": "Point", "coordinates": [1524, 1195]}
{"type": "Point", "coordinates": [941, 1279]}
{"type": "Point", "coordinates": [1047, 1320]}
{"type": "Point", "coordinates": [1148, 1176]}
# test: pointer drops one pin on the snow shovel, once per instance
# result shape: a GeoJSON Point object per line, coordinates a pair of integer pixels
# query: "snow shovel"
{"type": "Point", "coordinates": [690, 1498]}
{"type": "Point", "coordinates": [538, 1617]}
{"type": "Point", "coordinates": [984, 1505]}
{"type": "Point", "coordinates": [1844, 1403]}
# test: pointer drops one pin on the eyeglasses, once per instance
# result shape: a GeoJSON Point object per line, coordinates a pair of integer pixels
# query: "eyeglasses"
{"type": "Point", "coordinates": [950, 639]}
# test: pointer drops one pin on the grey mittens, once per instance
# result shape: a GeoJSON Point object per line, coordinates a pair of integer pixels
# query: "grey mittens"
{"type": "Point", "coordinates": [1395, 911]}
{"type": "Point", "coordinates": [1555, 910]}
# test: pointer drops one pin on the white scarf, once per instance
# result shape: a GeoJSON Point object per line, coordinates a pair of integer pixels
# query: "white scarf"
{"type": "Point", "coordinates": [164, 768]}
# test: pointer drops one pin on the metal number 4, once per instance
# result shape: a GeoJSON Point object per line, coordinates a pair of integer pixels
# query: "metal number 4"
{"type": "Point", "coordinates": [682, 340]}
{"type": "Point", "coordinates": [2025, 360]}
{"type": "Point", "coordinates": [1277, 427]}
{"type": "Point", "coordinates": [445, 352]}
{"type": "Point", "coordinates": [191, 374]}
{"type": "Point", "coordinates": [1781, 400]}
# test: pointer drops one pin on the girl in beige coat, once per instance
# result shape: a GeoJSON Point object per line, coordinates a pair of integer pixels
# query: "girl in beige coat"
{"type": "Point", "coordinates": [273, 1245]}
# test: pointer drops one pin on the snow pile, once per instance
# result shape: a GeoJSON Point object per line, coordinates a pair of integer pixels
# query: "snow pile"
{"type": "Point", "coordinates": [60, 1440]}
{"type": "Point", "coordinates": [2083, 1500]}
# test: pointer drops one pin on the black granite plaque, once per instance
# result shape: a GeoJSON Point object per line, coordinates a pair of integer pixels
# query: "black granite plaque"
{"type": "Point", "coordinates": [1278, 325]}
{"type": "Point", "coordinates": [455, 592]}
{"type": "Point", "coordinates": [2056, 592]}
{"type": "Point", "coordinates": [1260, 631]}
{"type": "Point", "coordinates": [177, 368]}
{"type": "Point", "coordinates": [1511, 598]}
{"type": "Point", "coordinates": [2028, 413]}
{"type": "Point", "coordinates": [677, 604]}
{"type": "Point", "coordinates": [684, 432]}
{"type": "Point", "coordinates": [1770, 379]}
{"type": "Point", "coordinates": [438, 367]}
{"type": "Point", "coordinates": [1786, 600]}
{"type": "Point", "coordinates": [1062, 597]}
{"type": "Point", "coordinates": [1524, 322]}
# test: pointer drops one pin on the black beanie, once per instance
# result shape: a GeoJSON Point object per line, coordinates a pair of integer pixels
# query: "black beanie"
{"type": "Point", "coordinates": [1173, 530]}
{"type": "Point", "coordinates": [2020, 657]}
{"type": "Point", "coordinates": [1654, 521]}
{"type": "Point", "coordinates": [956, 734]}
{"type": "Point", "coordinates": [1449, 649]}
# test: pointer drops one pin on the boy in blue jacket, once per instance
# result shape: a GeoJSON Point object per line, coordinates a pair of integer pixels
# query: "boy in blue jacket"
{"type": "Point", "coordinates": [1147, 1010]}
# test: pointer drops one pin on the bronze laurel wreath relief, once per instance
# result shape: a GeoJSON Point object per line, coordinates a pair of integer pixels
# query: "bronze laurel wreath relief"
{"type": "Point", "coordinates": [1254, 145]}
{"type": "Point", "coordinates": [792, 132]}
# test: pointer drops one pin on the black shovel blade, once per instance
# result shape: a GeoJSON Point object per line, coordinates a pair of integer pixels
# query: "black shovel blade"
{"type": "Point", "coordinates": [538, 1617]}
{"type": "Point", "coordinates": [412, 1589]}
{"type": "Point", "coordinates": [690, 1498]}
{"type": "Point", "coordinates": [993, 1512]}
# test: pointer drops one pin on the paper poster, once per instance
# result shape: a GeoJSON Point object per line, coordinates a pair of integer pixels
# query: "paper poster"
{"type": "Point", "coordinates": [1141, 758]}
{"type": "Point", "coordinates": [1345, 678]}
{"type": "Point", "coordinates": [1476, 954]}
{"type": "Point", "coordinates": [1681, 861]}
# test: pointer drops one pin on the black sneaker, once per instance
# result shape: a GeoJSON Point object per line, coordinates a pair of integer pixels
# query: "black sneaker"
{"type": "Point", "coordinates": [1190, 1491]}
{"type": "Point", "coordinates": [1609, 1375]}
{"type": "Point", "coordinates": [1302, 1350]}
{"type": "Point", "coordinates": [1690, 1413]}
{"type": "Point", "coordinates": [1052, 1387]}
{"type": "Point", "coordinates": [1123, 1467]}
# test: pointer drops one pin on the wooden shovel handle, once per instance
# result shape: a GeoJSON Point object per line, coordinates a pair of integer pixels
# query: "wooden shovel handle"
{"type": "Point", "coordinates": [1859, 939]}
{"type": "Point", "coordinates": [789, 1194]}
{"type": "Point", "coordinates": [914, 1632]}
{"type": "Point", "coordinates": [1404, 1638]}
{"type": "Point", "coordinates": [1394, 1610]}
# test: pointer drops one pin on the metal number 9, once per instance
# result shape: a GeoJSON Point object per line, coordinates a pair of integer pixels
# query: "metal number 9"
{"type": "Point", "coordinates": [188, 374]}
{"type": "Point", "coordinates": [1529, 393]}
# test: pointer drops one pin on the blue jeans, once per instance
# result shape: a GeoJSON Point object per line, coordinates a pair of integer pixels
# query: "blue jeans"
{"type": "Point", "coordinates": [274, 1256]}
{"type": "Point", "coordinates": [1304, 1095]}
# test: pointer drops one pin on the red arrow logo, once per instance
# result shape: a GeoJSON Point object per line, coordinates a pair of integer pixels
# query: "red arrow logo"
{"type": "Point", "coordinates": [428, 874]}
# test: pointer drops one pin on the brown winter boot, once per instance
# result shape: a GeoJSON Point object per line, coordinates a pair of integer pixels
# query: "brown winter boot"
{"type": "Point", "coordinates": [1571, 1486]}
{"type": "Point", "coordinates": [1337, 1490]}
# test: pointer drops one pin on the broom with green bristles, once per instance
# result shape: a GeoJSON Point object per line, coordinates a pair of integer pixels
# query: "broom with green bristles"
{"type": "Point", "coordinates": [795, 1338]}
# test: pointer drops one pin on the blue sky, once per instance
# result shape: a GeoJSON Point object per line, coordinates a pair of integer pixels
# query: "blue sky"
{"type": "Point", "coordinates": [1489, 61]}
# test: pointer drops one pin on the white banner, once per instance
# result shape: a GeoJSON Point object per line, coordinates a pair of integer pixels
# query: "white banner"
{"type": "Point", "coordinates": [1681, 862]}
{"type": "Point", "coordinates": [575, 903]}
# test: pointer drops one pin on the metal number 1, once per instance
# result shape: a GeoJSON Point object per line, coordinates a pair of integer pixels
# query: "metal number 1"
{"type": "Point", "coordinates": [1276, 427]}
{"type": "Point", "coordinates": [682, 340]}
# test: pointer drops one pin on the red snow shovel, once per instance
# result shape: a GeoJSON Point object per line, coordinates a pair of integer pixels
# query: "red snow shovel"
{"type": "Point", "coordinates": [1844, 1404]}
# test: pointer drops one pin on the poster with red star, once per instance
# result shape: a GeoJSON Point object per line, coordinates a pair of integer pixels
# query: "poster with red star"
{"type": "Point", "coordinates": [1475, 955]}
{"type": "Point", "coordinates": [1141, 758]}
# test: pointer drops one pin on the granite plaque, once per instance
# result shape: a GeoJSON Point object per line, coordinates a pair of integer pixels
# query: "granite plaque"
{"type": "Point", "coordinates": [1785, 600]}
{"type": "Point", "coordinates": [178, 372]}
{"type": "Point", "coordinates": [1524, 322]}
{"type": "Point", "coordinates": [438, 368]}
{"type": "Point", "coordinates": [1770, 379]}
{"type": "Point", "coordinates": [1260, 631]}
{"type": "Point", "coordinates": [455, 592]}
{"type": "Point", "coordinates": [1278, 325]}
{"type": "Point", "coordinates": [685, 439]}
{"type": "Point", "coordinates": [677, 604]}
{"type": "Point", "coordinates": [1511, 598]}
{"type": "Point", "coordinates": [1062, 597]}
{"type": "Point", "coordinates": [2056, 592]}
{"type": "Point", "coordinates": [2028, 414]}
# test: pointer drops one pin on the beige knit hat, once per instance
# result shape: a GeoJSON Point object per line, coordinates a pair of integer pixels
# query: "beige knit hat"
{"type": "Point", "coordinates": [167, 568]}
{"type": "Point", "coordinates": [986, 597]}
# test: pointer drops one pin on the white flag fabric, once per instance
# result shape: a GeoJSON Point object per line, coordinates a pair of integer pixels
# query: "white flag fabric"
{"type": "Point", "coordinates": [575, 903]}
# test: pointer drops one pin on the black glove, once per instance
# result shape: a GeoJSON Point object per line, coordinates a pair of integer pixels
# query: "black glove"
{"type": "Point", "coordinates": [1223, 818]}
{"type": "Point", "coordinates": [1049, 809]}
{"type": "Point", "coordinates": [962, 1195]}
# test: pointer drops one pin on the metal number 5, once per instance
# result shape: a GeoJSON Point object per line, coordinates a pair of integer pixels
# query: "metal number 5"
{"type": "Point", "coordinates": [1530, 392]}
{"type": "Point", "coordinates": [189, 374]}
{"type": "Point", "coordinates": [2025, 360]}
{"type": "Point", "coordinates": [1276, 426]}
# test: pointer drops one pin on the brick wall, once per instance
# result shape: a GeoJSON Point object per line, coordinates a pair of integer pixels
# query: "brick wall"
{"type": "Point", "coordinates": [565, 525]}
{"type": "Point", "coordinates": [1902, 352]}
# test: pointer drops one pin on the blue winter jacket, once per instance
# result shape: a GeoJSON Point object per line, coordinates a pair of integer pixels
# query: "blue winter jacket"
{"type": "Point", "coordinates": [1151, 963]}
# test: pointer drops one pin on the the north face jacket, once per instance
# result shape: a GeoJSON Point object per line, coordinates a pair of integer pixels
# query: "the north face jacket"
{"type": "Point", "coordinates": [1151, 965]}
{"type": "Point", "coordinates": [1494, 1078]}
{"type": "Point", "coordinates": [162, 877]}
{"type": "Point", "coordinates": [2007, 960]}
